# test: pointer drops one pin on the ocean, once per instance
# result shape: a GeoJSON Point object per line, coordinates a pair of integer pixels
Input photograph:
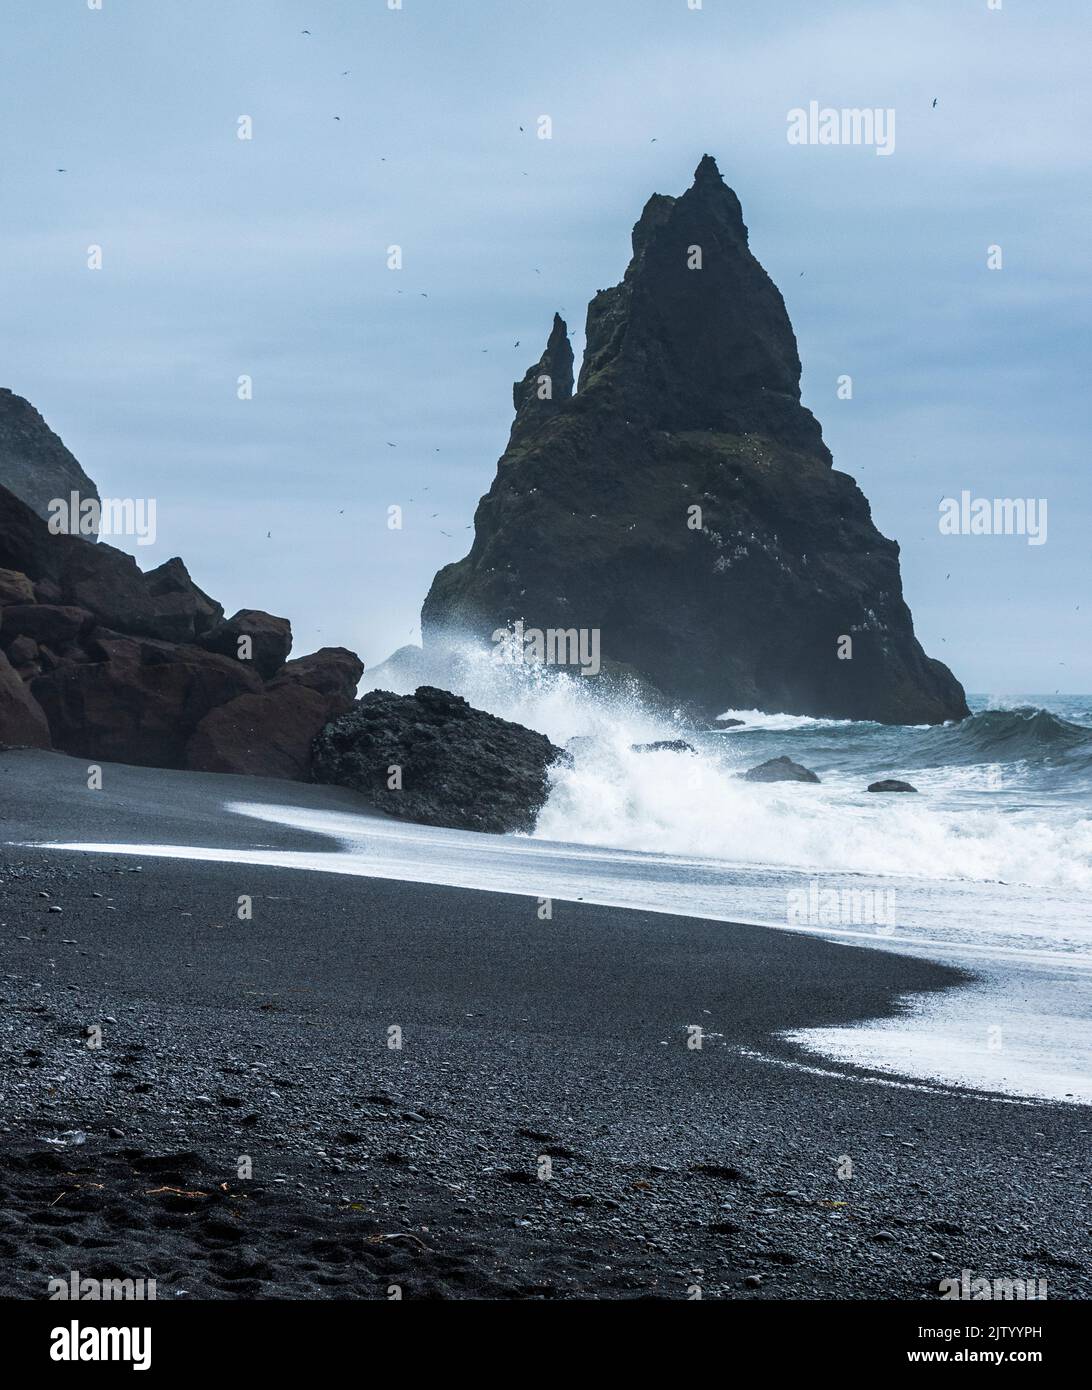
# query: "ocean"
{"type": "Point", "coordinates": [988, 867]}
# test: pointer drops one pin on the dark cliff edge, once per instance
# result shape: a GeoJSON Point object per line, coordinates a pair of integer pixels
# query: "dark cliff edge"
{"type": "Point", "coordinates": [683, 503]}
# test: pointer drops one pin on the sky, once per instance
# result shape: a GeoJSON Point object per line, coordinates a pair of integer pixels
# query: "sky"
{"type": "Point", "coordinates": [371, 387]}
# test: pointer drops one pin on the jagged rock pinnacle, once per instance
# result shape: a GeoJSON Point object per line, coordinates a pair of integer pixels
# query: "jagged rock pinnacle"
{"type": "Point", "coordinates": [683, 503]}
{"type": "Point", "coordinates": [548, 385]}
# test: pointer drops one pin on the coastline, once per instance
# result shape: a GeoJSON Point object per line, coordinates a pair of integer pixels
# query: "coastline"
{"type": "Point", "coordinates": [669, 1167]}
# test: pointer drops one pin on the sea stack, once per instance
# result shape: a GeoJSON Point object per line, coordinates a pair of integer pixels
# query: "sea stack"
{"type": "Point", "coordinates": [683, 503]}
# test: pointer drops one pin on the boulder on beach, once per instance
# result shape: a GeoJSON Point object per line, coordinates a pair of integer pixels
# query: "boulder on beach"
{"type": "Point", "coordinates": [269, 733]}
{"type": "Point", "coordinates": [891, 784]}
{"type": "Point", "coordinates": [22, 720]}
{"type": "Point", "coordinates": [103, 661]}
{"type": "Point", "coordinates": [268, 639]}
{"type": "Point", "coordinates": [431, 757]}
{"type": "Point", "coordinates": [779, 770]}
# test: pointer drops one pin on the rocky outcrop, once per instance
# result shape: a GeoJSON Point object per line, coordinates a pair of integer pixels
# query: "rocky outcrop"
{"type": "Point", "coordinates": [267, 639]}
{"type": "Point", "coordinates": [22, 720]}
{"type": "Point", "coordinates": [779, 770]}
{"type": "Point", "coordinates": [136, 700]}
{"type": "Point", "coordinates": [102, 661]}
{"type": "Point", "coordinates": [269, 734]}
{"type": "Point", "coordinates": [431, 757]}
{"type": "Point", "coordinates": [34, 464]}
{"type": "Point", "coordinates": [684, 505]}
{"type": "Point", "coordinates": [891, 784]}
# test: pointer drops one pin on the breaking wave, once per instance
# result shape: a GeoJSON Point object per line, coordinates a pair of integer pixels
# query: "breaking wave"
{"type": "Point", "coordinates": [1004, 795]}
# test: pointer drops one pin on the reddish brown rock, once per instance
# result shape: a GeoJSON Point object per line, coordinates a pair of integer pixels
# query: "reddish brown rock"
{"type": "Point", "coordinates": [270, 734]}
{"type": "Point", "coordinates": [177, 599]}
{"type": "Point", "coordinates": [334, 671]}
{"type": "Point", "coordinates": [22, 720]}
{"type": "Point", "coordinates": [140, 702]}
{"type": "Point", "coordinates": [267, 735]}
{"type": "Point", "coordinates": [270, 639]}
{"type": "Point", "coordinates": [109, 583]}
{"type": "Point", "coordinates": [44, 622]}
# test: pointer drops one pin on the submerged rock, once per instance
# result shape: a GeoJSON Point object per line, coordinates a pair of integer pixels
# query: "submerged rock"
{"type": "Point", "coordinates": [431, 757]}
{"type": "Point", "coordinates": [891, 784]}
{"type": "Point", "coordinates": [664, 745]}
{"type": "Point", "coordinates": [779, 770]}
{"type": "Point", "coordinates": [682, 504]}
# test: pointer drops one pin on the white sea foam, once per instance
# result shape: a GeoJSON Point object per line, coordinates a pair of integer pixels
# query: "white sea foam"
{"type": "Point", "coordinates": [672, 803]}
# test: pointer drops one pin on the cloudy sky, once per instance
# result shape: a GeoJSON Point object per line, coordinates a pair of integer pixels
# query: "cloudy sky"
{"type": "Point", "coordinates": [267, 257]}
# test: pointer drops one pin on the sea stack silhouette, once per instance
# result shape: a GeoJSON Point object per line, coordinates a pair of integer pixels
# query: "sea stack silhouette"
{"type": "Point", "coordinates": [682, 501]}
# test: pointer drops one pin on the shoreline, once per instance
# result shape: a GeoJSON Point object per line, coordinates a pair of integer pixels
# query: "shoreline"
{"type": "Point", "coordinates": [544, 1131]}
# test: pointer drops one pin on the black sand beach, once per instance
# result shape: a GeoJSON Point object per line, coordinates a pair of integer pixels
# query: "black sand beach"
{"type": "Point", "coordinates": [544, 1131]}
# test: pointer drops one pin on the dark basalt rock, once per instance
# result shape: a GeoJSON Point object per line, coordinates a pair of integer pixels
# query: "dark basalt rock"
{"type": "Point", "coordinates": [664, 745]}
{"type": "Point", "coordinates": [43, 622]}
{"type": "Point", "coordinates": [15, 588]}
{"type": "Point", "coordinates": [34, 464]}
{"type": "Point", "coordinates": [891, 784]}
{"type": "Point", "coordinates": [460, 767]}
{"type": "Point", "coordinates": [689, 397]}
{"type": "Point", "coordinates": [729, 724]}
{"type": "Point", "coordinates": [780, 770]}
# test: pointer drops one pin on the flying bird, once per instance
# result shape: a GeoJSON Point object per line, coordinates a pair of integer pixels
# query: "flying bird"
{"type": "Point", "coordinates": [934, 101]}
{"type": "Point", "coordinates": [62, 171]}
